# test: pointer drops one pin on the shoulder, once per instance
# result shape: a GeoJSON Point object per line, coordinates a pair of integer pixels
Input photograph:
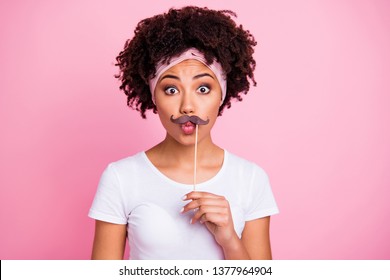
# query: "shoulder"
{"type": "Point", "coordinates": [242, 165]}
{"type": "Point", "coordinates": [128, 163]}
{"type": "Point", "coordinates": [126, 168]}
{"type": "Point", "coordinates": [119, 175]}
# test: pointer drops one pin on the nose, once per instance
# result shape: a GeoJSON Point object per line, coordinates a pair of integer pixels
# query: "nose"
{"type": "Point", "coordinates": [187, 104]}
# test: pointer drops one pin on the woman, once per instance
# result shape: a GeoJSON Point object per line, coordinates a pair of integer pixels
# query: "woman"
{"type": "Point", "coordinates": [185, 198]}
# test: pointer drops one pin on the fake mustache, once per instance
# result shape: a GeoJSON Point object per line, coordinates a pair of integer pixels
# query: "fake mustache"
{"type": "Point", "coordinates": [185, 118]}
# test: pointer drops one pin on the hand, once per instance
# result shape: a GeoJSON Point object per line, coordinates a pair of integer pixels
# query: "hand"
{"type": "Point", "coordinates": [213, 211]}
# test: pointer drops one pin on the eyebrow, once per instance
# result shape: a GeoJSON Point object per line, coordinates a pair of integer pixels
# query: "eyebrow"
{"type": "Point", "coordinates": [194, 78]}
{"type": "Point", "coordinates": [202, 75]}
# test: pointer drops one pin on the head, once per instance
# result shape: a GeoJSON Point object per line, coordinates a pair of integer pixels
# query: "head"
{"type": "Point", "coordinates": [160, 38]}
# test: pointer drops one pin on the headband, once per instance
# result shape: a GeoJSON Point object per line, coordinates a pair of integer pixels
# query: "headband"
{"type": "Point", "coordinates": [189, 54]}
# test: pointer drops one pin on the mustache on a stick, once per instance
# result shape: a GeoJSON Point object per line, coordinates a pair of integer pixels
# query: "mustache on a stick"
{"type": "Point", "coordinates": [185, 118]}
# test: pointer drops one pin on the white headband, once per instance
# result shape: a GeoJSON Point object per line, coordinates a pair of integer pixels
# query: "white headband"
{"type": "Point", "coordinates": [189, 54]}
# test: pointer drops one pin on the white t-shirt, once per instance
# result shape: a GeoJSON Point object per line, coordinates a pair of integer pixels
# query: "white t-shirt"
{"type": "Point", "coordinates": [133, 191]}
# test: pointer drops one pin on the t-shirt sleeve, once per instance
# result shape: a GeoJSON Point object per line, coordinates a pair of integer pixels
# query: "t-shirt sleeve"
{"type": "Point", "coordinates": [108, 204]}
{"type": "Point", "coordinates": [261, 200]}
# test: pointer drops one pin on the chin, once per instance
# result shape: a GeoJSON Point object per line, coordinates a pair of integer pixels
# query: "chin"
{"type": "Point", "coordinates": [186, 140]}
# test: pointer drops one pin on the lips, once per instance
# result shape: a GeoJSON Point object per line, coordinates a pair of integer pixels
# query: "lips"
{"type": "Point", "coordinates": [188, 128]}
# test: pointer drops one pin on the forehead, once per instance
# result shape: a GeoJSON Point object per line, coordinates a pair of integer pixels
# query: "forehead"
{"type": "Point", "coordinates": [189, 66]}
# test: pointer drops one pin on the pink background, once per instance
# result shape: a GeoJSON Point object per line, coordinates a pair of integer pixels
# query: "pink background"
{"type": "Point", "coordinates": [318, 122]}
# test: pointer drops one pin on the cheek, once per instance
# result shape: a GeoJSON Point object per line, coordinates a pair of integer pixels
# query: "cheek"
{"type": "Point", "coordinates": [163, 110]}
{"type": "Point", "coordinates": [164, 118]}
{"type": "Point", "coordinates": [166, 123]}
{"type": "Point", "coordinates": [213, 112]}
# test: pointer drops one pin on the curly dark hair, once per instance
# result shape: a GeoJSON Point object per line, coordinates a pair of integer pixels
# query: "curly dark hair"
{"type": "Point", "coordinates": [163, 36]}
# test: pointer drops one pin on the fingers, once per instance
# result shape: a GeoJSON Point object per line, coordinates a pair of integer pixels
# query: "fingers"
{"type": "Point", "coordinates": [218, 216]}
{"type": "Point", "coordinates": [209, 208]}
{"type": "Point", "coordinates": [203, 199]}
{"type": "Point", "coordinates": [195, 204]}
{"type": "Point", "coordinates": [198, 195]}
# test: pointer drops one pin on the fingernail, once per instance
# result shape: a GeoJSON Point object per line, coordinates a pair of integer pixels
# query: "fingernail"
{"type": "Point", "coordinates": [182, 209]}
{"type": "Point", "coordinates": [184, 197]}
{"type": "Point", "coordinates": [191, 221]}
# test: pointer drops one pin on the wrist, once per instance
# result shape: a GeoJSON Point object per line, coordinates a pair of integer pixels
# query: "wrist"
{"type": "Point", "coordinates": [235, 250]}
{"type": "Point", "coordinates": [233, 245]}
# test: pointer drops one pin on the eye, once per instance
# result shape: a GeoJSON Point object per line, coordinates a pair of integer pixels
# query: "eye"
{"type": "Point", "coordinates": [170, 90]}
{"type": "Point", "coordinates": [203, 89]}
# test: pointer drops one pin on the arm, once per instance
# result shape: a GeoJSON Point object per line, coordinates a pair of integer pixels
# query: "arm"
{"type": "Point", "coordinates": [254, 243]}
{"type": "Point", "coordinates": [109, 242]}
{"type": "Point", "coordinates": [256, 240]}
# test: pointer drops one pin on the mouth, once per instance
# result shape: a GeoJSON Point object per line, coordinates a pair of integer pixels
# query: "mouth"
{"type": "Point", "coordinates": [188, 128]}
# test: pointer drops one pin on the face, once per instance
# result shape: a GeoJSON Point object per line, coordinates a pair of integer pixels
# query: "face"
{"type": "Point", "coordinates": [188, 88]}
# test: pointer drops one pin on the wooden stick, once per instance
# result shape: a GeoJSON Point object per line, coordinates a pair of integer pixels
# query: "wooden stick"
{"type": "Point", "coordinates": [195, 154]}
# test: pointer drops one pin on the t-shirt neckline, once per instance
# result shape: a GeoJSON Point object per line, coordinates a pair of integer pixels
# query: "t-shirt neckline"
{"type": "Point", "coordinates": [173, 182]}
